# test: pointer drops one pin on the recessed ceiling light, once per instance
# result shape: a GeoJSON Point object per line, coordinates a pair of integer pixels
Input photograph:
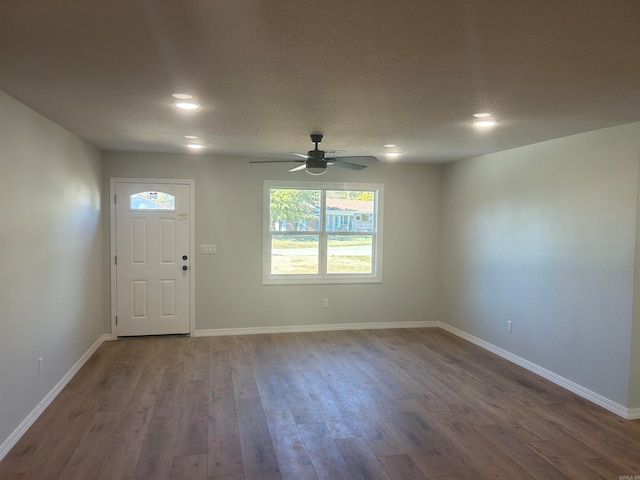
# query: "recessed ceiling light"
{"type": "Point", "coordinates": [482, 115]}
{"type": "Point", "coordinates": [190, 137]}
{"type": "Point", "coordinates": [486, 122]}
{"type": "Point", "coordinates": [389, 145]}
{"type": "Point", "coordinates": [194, 146]}
{"type": "Point", "coordinates": [182, 96]}
{"type": "Point", "coordinates": [392, 154]}
{"type": "Point", "coordinates": [187, 105]}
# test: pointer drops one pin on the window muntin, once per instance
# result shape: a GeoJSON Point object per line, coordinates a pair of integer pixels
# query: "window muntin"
{"type": "Point", "coordinates": [322, 233]}
{"type": "Point", "coordinates": [152, 201]}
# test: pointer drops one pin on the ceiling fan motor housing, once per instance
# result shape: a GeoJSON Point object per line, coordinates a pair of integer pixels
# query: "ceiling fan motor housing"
{"type": "Point", "coordinates": [313, 163]}
{"type": "Point", "coordinates": [317, 155]}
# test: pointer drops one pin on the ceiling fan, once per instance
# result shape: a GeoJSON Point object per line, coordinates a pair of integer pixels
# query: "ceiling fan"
{"type": "Point", "coordinates": [315, 162]}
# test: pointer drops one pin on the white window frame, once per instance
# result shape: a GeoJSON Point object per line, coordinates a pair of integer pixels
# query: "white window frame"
{"type": "Point", "coordinates": [322, 277]}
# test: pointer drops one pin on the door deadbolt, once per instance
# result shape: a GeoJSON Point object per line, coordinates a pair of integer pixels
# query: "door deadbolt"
{"type": "Point", "coordinates": [184, 257]}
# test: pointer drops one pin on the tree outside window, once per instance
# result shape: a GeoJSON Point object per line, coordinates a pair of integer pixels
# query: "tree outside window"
{"type": "Point", "coordinates": [322, 233]}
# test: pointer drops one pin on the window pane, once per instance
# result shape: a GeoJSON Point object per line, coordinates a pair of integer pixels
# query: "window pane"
{"type": "Point", "coordinates": [152, 201]}
{"type": "Point", "coordinates": [350, 211]}
{"type": "Point", "coordinates": [294, 254]}
{"type": "Point", "coordinates": [294, 210]}
{"type": "Point", "coordinates": [321, 232]}
{"type": "Point", "coordinates": [349, 254]}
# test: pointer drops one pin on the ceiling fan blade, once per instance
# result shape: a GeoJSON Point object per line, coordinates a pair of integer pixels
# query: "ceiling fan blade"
{"type": "Point", "coordinates": [315, 162]}
{"type": "Point", "coordinates": [351, 166]}
{"type": "Point", "coordinates": [356, 158]}
{"type": "Point", "coordinates": [275, 161]}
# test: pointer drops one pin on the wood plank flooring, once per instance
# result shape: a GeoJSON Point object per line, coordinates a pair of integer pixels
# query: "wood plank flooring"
{"type": "Point", "coordinates": [371, 404]}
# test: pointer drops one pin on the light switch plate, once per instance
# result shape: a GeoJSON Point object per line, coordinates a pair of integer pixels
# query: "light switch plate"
{"type": "Point", "coordinates": [207, 249]}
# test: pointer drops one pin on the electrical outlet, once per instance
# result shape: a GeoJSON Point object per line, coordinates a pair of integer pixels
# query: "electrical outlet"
{"type": "Point", "coordinates": [325, 303]}
{"type": "Point", "coordinates": [509, 325]}
{"type": "Point", "coordinates": [40, 365]}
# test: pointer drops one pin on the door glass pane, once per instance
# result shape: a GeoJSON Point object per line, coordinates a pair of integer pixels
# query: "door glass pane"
{"type": "Point", "coordinates": [294, 254]}
{"type": "Point", "coordinates": [152, 201]}
{"type": "Point", "coordinates": [350, 211]}
{"type": "Point", "coordinates": [294, 210]}
{"type": "Point", "coordinates": [349, 254]}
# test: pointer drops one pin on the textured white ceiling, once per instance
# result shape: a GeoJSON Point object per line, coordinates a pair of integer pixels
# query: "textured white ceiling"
{"type": "Point", "coordinates": [363, 72]}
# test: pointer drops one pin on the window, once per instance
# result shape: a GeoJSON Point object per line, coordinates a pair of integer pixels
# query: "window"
{"type": "Point", "coordinates": [152, 201]}
{"type": "Point", "coordinates": [322, 233]}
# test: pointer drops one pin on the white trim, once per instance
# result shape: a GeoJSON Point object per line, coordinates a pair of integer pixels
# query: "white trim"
{"type": "Point", "coordinates": [585, 393]}
{"type": "Point", "coordinates": [313, 328]}
{"type": "Point", "coordinates": [192, 248]}
{"type": "Point", "coordinates": [322, 277]}
{"type": "Point", "coordinates": [604, 402]}
{"type": "Point", "coordinates": [629, 414]}
{"type": "Point", "coordinates": [10, 442]}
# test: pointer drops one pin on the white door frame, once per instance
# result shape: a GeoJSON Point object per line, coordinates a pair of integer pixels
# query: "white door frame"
{"type": "Point", "coordinates": [112, 250]}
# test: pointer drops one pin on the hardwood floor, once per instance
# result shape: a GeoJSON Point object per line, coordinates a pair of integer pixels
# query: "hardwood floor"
{"type": "Point", "coordinates": [371, 404]}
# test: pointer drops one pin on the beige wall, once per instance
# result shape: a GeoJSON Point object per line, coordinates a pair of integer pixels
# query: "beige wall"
{"type": "Point", "coordinates": [51, 243]}
{"type": "Point", "coordinates": [544, 236]}
{"type": "Point", "coordinates": [228, 213]}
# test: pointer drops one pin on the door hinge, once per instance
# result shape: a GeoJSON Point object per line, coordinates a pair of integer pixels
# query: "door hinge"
{"type": "Point", "coordinates": [114, 199]}
{"type": "Point", "coordinates": [115, 260]}
{"type": "Point", "coordinates": [116, 320]}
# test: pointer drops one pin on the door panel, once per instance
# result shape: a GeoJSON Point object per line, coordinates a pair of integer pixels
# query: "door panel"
{"type": "Point", "coordinates": [152, 236]}
{"type": "Point", "coordinates": [139, 303]}
{"type": "Point", "coordinates": [139, 240]}
{"type": "Point", "coordinates": [168, 239]}
{"type": "Point", "coordinates": [168, 298]}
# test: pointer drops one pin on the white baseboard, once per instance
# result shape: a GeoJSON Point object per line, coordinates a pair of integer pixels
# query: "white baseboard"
{"type": "Point", "coordinates": [9, 443]}
{"type": "Point", "coordinates": [633, 414]}
{"type": "Point", "coordinates": [585, 393]}
{"type": "Point", "coordinates": [630, 414]}
{"type": "Point", "coordinates": [604, 402]}
{"type": "Point", "coordinates": [313, 328]}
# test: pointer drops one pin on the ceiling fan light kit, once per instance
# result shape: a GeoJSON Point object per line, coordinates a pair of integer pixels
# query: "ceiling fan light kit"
{"type": "Point", "coordinates": [316, 167]}
{"type": "Point", "coordinates": [315, 162]}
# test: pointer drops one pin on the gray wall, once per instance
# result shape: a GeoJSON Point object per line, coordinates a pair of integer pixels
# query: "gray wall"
{"type": "Point", "coordinates": [544, 236]}
{"type": "Point", "coordinates": [51, 242]}
{"type": "Point", "coordinates": [634, 375]}
{"type": "Point", "coordinates": [228, 199]}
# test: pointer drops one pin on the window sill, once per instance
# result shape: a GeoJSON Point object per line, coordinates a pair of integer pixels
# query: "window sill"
{"type": "Point", "coordinates": [307, 280]}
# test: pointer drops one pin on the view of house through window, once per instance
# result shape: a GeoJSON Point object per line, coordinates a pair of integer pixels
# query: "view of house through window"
{"type": "Point", "coordinates": [152, 201]}
{"type": "Point", "coordinates": [325, 233]}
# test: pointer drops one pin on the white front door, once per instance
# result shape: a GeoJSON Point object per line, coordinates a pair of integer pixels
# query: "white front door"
{"type": "Point", "coordinates": [152, 258]}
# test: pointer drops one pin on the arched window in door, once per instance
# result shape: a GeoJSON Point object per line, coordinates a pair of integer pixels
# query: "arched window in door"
{"type": "Point", "coordinates": [152, 201]}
